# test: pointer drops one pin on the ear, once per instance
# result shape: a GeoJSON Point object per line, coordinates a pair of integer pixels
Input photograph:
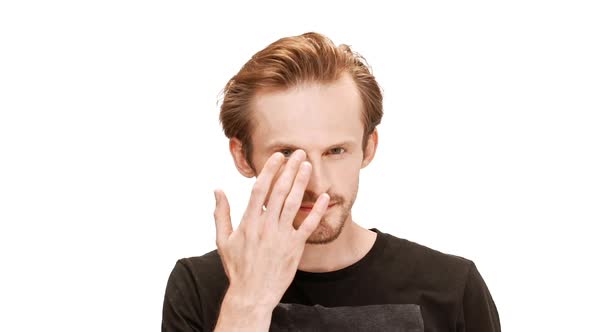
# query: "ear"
{"type": "Point", "coordinates": [371, 148]}
{"type": "Point", "coordinates": [235, 147]}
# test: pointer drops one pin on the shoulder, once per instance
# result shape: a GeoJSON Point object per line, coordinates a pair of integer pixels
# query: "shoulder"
{"type": "Point", "coordinates": [210, 262]}
{"type": "Point", "coordinates": [443, 282]}
{"type": "Point", "coordinates": [204, 270]}
{"type": "Point", "coordinates": [194, 293]}
{"type": "Point", "coordinates": [199, 277]}
{"type": "Point", "coordinates": [420, 254]}
{"type": "Point", "coordinates": [430, 267]}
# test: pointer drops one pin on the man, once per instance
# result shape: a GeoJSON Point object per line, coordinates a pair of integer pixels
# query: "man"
{"type": "Point", "coordinates": [301, 116]}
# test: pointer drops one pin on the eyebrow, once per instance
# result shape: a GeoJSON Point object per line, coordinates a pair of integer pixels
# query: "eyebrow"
{"type": "Point", "coordinates": [284, 145]}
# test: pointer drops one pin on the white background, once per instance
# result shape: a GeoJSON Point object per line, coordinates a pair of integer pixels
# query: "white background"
{"type": "Point", "coordinates": [110, 146]}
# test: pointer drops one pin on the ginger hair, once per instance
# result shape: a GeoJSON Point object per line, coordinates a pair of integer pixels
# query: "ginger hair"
{"type": "Point", "coordinates": [288, 62]}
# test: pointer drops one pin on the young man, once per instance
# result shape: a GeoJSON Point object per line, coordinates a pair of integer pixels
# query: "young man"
{"type": "Point", "coordinates": [301, 116]}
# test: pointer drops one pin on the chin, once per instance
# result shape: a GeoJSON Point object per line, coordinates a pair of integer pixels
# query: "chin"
{"type": "Point", "coordinates": [328, 229]}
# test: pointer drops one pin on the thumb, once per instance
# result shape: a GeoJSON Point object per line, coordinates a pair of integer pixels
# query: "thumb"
{"type": "Point", "coordinates": [223, 226]}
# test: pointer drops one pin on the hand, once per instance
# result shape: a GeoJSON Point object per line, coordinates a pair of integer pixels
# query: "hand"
{"type": "Point", "coordinates": [261, 256]}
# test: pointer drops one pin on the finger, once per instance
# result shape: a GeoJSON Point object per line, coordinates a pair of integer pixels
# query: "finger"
{"type": "Point", "coordinates": [315, 215]}
{"type": "Point", "coordinates": [223, 226]}
{"type": "Point", "coordinates": [293, 201]}
{"type": "Point", "coordinates": [262, 185]}
{"type": "Point", "coordinates": [283, 185]}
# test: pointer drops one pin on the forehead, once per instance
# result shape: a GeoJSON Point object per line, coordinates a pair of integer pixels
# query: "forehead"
{"type": "Point", "coordinates": [308, 115]}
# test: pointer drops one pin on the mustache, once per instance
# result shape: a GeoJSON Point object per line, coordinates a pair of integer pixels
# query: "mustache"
{"type": "Point", "coordinates": [310, 197]}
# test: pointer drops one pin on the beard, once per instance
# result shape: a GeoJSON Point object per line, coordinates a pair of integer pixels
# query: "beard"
{"type": "Point", "coordinates": [330, 227]}
{"type": "Point", "coordinates": [333, 221]}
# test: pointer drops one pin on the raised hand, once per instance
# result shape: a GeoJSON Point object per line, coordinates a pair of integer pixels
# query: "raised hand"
{"type": "Point", "coordinates": [261, 256]}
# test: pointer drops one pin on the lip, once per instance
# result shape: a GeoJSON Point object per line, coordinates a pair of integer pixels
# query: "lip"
{"type": "Point", "coordinates": [308, 208]}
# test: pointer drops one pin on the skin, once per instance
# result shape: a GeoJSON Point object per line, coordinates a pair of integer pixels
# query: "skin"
{"type": "Point", "coordinates": [307, 151]}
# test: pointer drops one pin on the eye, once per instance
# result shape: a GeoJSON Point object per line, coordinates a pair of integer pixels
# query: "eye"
{"type": "Point", "coordinates": [286, 152]}
{"type": "Point", "coordinates": [337, 151]}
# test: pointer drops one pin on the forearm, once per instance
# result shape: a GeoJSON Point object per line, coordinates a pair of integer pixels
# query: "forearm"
{"type": "Point", "coordinates": [240, 313]}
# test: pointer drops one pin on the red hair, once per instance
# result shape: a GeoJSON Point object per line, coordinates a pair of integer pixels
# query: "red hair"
{"type": "Point", "coordinates": [308, 58]}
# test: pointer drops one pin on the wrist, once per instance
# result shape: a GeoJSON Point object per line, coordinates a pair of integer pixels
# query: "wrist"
{"type": "Point", "coordinates": [241, 313]}
{"type": "Point", "coordinates": [253, 303]}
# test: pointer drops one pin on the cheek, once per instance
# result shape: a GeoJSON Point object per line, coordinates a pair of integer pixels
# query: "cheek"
{"type": "Point", "coordinates": [344, 178]}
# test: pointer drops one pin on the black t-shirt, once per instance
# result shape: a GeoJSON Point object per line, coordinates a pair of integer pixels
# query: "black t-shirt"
{"type": "Point", "coordinates": [397, 286]}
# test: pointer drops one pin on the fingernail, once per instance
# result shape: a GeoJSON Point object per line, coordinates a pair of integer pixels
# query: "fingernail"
{"type": "Point", "coordinates": [306, 166]}
{"type": "Point", "coordinates": [216, 200]}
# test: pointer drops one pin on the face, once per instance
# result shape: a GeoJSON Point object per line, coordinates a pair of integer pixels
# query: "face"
{"type": "Point", "coordinates": [324, 120]}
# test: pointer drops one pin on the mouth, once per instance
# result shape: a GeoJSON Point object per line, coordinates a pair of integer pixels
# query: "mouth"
{"type": "Point", "coordinates": [308, 208]}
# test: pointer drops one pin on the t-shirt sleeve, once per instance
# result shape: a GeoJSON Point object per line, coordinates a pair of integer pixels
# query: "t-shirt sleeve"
{"type": "Point", "coordinates": [182, 311]}
{"type": "Point", "coordinates": [479, 313]}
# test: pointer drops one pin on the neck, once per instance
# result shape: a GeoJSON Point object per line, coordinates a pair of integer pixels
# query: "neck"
{"type": "Point", "coordinates": [351, 246]}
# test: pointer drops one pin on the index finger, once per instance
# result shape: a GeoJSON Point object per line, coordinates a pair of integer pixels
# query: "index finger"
{"type": "Point", "coordinates": [263, 182]}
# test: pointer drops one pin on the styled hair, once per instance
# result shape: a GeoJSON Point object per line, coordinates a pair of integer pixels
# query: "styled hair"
{"type": "Point", "coordinates": [288, 62]}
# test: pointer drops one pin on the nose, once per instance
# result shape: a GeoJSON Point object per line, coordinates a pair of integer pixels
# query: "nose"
{"type": "Point", "coordinates": [319, 181]}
